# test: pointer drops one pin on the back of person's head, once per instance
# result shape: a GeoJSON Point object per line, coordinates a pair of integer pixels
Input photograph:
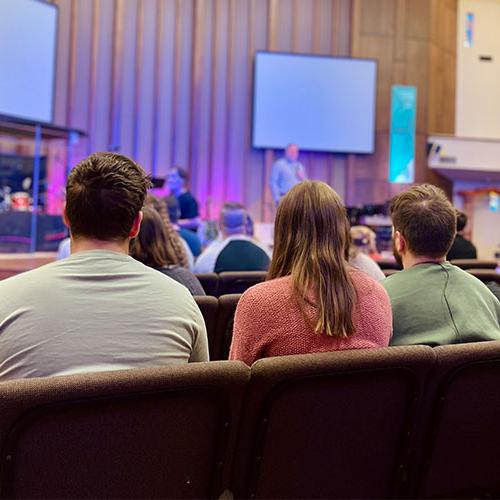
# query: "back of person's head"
{"type": "Point", "coordinates": [461, 220]}
{"type": "Point", "coordinates": [104, 194]}
{"type": "Point", "coordinates": [311, 244]}
{"type": "Point", "coordinates": [363, 239]}
{"type": "Point", "coordinates": [426, 220]}
{"type": "Point", "coordinates": [152, 245]}
{"type": "Point", "coordinates": [177, 177]}
{"type": "Point", "coordinates": [160, 205]}
{"type": "Point", "coordinates": [183, 174]}
{"type": "Point", "coordinates": [233, 219]}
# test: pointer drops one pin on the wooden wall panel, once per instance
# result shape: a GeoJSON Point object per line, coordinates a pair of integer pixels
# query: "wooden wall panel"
{"type": "Point", "coordinates": [413, 42]}
{"type": "Point", "coordinates": [170, 82]}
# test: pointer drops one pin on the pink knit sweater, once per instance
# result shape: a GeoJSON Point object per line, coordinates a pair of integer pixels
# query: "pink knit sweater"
{"type": "Point", "coordinates": [269, 323]}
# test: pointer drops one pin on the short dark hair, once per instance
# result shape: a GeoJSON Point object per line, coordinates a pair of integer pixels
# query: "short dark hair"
{"type": "Point", "coordinates": [104, 194]}
{"type": "Point", "coordinates": [461, 220]}
{"type": "Point", "coordinates": [426, 219]}
{"type": "Point", "coordinates": [183, 174]}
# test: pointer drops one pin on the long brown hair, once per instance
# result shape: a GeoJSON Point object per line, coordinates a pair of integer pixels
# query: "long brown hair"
{"type": "Point", "coordinates": [152, 245]}
{"type": "Point", "coordinates": [160, 206]}
{"type": "Point", "coordinates": [311, 242]}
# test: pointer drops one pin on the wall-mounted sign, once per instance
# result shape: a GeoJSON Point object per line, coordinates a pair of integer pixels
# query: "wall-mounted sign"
{"type": "Point", "coordinates": [469, 29]}
{"type": "Point", "coordinates": [402, 134]}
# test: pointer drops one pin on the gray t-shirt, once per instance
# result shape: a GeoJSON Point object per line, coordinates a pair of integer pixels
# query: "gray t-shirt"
{"type": "Point", "coordinates": [93, 311]}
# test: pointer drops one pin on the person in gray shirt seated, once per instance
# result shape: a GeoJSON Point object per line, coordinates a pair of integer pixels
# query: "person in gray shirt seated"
{"type": "Point", "coordinates": [434, 302]}
{"type": "Point", "coordinates": [154, 247]}
{"type": "Point", "coordinates": [98, 309]}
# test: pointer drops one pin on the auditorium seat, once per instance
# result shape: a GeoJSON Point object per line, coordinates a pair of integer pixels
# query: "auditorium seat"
{"type": "Point", "coordinates": [461, 451]}
{"type": "Point", "coordinates": [485, 275]}
{"type": "Point", "coordinates": [389, 272]}
{"type": "Point", "coordinates": [330, 425]}
{"type": "Point", "coordinates": [389, 264]}
{"type": "Point", "coordinates": [209, 307]}
{"type": "Point", "coordinates": [474, 263]}
{"type": "Point", "coordinates": [149, 433]}
{"type": "Point", "coordinates": [239, 281]}
{"type": "Point", "coordinates": [209, 282]}
{"type": "Point", "coordinates": [225, 323]}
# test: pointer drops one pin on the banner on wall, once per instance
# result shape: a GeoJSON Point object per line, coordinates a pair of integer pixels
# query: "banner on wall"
{"type": "Point", "coordinates": [402, 134]}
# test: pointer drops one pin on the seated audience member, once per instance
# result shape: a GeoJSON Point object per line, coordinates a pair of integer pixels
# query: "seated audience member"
{"type": "Point", "coordinates": [177, 181]}
{"type": "Point", "coordinates": [234, 250]}
{"type": "Point", "coordinates": [98, 309]}
{"type": "Point", "coordinates": [190, 237]}
{"type": "Point", "coordinates": [363, 245]}
{"type": "Point", "coordinates": [314, 301]}
{"type": "Point", "coordinates": [155, 247]}
{"type": "Point", "coordinates": [182, 251]}
{"type": "Point", "coordinates": [434, 302]}
{"type": "Point", "coordinates": [461, 248]}
{"type": "Point", "coordinates": [64, 249]}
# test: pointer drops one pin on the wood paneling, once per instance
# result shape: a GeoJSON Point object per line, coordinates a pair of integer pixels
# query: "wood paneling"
{"type": "Point", "coordinates": [169, 82]}
{"type": "Point", "coordinates": [414, 42]}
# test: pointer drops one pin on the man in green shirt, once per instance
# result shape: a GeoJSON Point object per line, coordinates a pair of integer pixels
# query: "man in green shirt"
{"type": "Point", "coordinates": [434, 302]}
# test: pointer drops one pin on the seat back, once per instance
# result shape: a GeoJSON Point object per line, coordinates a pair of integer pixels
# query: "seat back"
{"type": "Point", "coordinates": [149, 433]}
{"type": "Point", "coordinates": [331, 425]}
{"type": "Point", "coordinates": [209, 282]}
{"type": "Point", "coordinates": [239, 281]}
{"type": "Point", "coordinates": [225, 323]}
{"type": "Point", "coordinates": [389, 264]}
{"type": "Point", "coordinates": [485, 275]}
{"type": "Point", "coordinates": [474, 263]}
{"type": "Point", "coordinates": [390, 272]}
{"type": "Point", "coordinates": [461, 456]}
{"type": "Point", "coordinates": [209, 307]}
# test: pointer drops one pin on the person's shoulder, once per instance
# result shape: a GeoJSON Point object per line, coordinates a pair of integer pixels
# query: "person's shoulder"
{"type": "Point", "coordinates": [40, 278]}
{"type": "Point", "coordinates": [269, 292]}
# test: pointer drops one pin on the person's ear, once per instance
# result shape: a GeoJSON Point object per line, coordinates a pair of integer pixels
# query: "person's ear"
{"type": "Point", "coordinates": [65, 218]}
{"type": "Point", "coordinates": [400, 242]}
{"type": "Point", "coordinates": [136, 225]}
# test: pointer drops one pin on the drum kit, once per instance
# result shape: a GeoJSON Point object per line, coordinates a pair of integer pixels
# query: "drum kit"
{"type": "Point", "coordinates": [19, 201]}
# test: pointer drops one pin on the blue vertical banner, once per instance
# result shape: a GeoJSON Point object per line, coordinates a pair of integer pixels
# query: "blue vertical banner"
{"type": "Point", "coordinates": [469, 30]}
{"type": "Point", "coordinates": [402, 135]}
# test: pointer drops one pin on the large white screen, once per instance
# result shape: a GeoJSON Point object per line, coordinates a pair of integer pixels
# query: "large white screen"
{"type": "Point", "coordinates": [319, 103]}
{"type": "Point", "coordinates": [27, 59]}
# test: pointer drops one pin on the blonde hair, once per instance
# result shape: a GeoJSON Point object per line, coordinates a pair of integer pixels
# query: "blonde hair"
{"type": "Point", "coordinates": [175, 241]}
{"type": "Point", "coordinates": [311, 244]}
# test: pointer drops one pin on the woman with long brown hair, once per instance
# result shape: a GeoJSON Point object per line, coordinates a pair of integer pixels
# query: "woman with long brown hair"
{"type": "Point", "coordinates": [154, 248]}
{"type": "Point", "coordinates": [313, 300]}
{"type": "Point", "coordinates": [175, 240]}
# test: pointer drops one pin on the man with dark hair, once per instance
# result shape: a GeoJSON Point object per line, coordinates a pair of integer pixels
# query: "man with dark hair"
{"type": "Point", "coordinates": [98, 309]}
{"type": "Point", "coordinates": [461, 248]}
{"type": "Point", "coordinates": [235, 250]}
{"type": "Point", "coordinates": [177, 181]}
{"type": "Point", "coordinates": [434, 302]}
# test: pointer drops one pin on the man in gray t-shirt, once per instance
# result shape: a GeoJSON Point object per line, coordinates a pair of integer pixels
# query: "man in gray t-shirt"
{"type": "Point", "coordinates": [98, 309]}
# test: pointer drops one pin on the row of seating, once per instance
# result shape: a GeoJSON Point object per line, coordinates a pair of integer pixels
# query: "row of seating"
{"type": "Point", "coordinates": [218, 314]}
{"type": "Point", "coordinates": [380, 423]}
{"type": "Point", "coordinates": [237, 282]}
{"type": "Point", "coordinates": [217, 284]}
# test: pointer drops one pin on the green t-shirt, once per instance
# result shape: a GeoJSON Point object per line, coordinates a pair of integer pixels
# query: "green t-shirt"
{"type": "Point", "coordinates": [438, 304]}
